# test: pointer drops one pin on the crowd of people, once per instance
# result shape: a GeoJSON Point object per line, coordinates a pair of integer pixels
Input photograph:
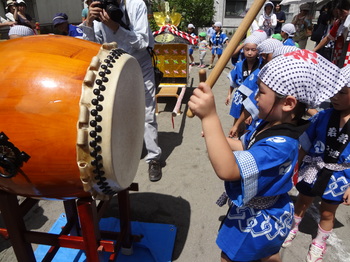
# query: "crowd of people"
{"type": "Point", "coordinates": [275, 89]}
{"type": "Point", "coordinates": [279, 130]}
{"type": "Point", "coordinates": [17, 20]}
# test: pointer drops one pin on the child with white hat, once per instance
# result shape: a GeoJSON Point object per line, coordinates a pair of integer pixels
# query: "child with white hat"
{"type": "Point", "coordinates": [287, 33]}
{"type": "Point", "coordinates": [190, 31]}
{"type": "Point", "coordinates": [217, 42]}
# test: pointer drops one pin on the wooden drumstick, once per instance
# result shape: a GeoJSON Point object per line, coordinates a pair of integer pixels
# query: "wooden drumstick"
{"type": "Point", "coordinates": [232, 45]}
{"type": "Point", "coordinates": [202, 75]}
{"type": "Point", "coordinates": [202, 78]}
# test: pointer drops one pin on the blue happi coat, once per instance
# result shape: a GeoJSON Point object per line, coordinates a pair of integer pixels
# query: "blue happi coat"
{"type": "Point", "coordinates": [313, 141]}
{"type": "Point", "coordinates": [247, 88]}
{"type": "Point", "coordinates": [262, 213]}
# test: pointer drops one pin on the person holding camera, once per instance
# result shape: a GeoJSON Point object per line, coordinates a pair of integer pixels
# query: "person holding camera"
{"type": "Point", "coordinates": [125, 22]}
{"type": "Point", "coordinates": [21, 17]}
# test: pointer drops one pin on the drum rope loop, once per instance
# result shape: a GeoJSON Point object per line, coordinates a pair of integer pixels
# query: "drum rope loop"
{"type": "Point", "coordinates": [96, 139]}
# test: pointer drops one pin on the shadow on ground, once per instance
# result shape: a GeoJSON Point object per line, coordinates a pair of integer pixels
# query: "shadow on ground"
{"type": "Point", "coordinates": [158, 208]}
{"type": "Point", "coordinates": [309, 224]}
{"type": "Point", "coordinates": [33, 220]}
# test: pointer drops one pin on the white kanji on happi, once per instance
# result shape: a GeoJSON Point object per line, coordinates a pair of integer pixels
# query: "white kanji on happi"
{"type": "Point", "coordinates": [333, 153]}
{"type": "Point", "coordinates": [343, 138]}
{"type": "Point", "coordinates": [332, 132]}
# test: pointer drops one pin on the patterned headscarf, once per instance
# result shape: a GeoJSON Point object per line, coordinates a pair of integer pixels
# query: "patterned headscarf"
{"type": "Point", "coordinates": [304, 74]}
{"type": "Point", "coordinates": [284, 50]}
{"type": "Point", "coordinates": [346, 72]}
{"type": "Point", "coordinates": [252, 39]}
{"type": "Point", "coordinates": [261, 34]}
{"type": "Point", "coordinates": [269, 45]}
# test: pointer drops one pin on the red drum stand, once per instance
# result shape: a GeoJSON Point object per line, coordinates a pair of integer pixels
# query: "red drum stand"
{"type": "Point", "coordinates": [80, 232]}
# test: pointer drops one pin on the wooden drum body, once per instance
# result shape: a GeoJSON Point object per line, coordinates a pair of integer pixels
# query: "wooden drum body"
{"type": "Point", "coordinates": [72, 117]}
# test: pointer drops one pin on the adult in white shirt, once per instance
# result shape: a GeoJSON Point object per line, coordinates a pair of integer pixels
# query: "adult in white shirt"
{"type": "Point", "coordinates": [10, 10]}
{"type": "Point", "coordinates": [4, 23]}
{"type": "Point", "coordinates": [133, 34]}
{"type": "Point", "coordinates": [268, 20]}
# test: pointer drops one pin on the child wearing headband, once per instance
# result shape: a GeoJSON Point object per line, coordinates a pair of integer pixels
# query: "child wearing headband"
{"type": "Point", "coordinates": [244, 74]}
{"type": "Point", "coordinates": [258, 173]}
{"type": "Point", "coordinates": [325, 168]}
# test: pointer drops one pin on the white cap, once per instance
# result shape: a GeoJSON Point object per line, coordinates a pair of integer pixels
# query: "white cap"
{"type": "Point", "coordinates": [21, 2]}
{"type": "Point", "coordinates": [289, 28]}
{"type": "Point", "coordinates": [10, 2]}
{"type": "Point", "coordinates": [218, 24]}
{"type": "Point", "coordinates": [190, 26]}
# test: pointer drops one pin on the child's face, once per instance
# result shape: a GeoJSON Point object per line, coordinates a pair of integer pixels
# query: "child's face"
{"type": "Point", "coordinates": [190, 29]}
{"type": "Point", "coordinates": [268, 109]}
{"type": "Point", "coordinates": [201, 38]}
{"type": "Point", "coordinates": [284, 35]}
{"type": "Point", "coordinates": [341, 101]}
{"type": "Point", "coordinates": [250, 51]}
{"type": "Point", "coordinates": [266, 57]}
{"type": "Point", "coordinates": [217, 28]}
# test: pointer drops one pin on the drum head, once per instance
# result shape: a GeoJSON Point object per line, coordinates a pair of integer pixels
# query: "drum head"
{"type": "Point", "coordinates": [111, 122]}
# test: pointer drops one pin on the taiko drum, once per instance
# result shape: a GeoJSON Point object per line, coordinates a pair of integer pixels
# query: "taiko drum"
{"type": "Point", "coordinates": [71, 117]}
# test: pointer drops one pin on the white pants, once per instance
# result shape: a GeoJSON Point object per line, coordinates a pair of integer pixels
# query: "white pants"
{"type": "Point", "coordinates": [151, 126]}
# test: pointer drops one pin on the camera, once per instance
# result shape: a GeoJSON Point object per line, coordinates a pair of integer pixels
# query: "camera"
{"type": "Point", "coordinates": [112, 9]}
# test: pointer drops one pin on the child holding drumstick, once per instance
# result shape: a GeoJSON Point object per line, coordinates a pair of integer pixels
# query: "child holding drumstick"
{"type": "Point", "coordinates": [258, 173]}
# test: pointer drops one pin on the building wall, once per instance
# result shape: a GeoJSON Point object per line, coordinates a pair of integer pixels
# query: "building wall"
{"type": "Point", "coordinates": [46, 9]}
{"type": "Point", "coordinates": [43, 11]}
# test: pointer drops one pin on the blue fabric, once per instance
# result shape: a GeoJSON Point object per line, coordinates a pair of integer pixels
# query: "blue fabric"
{"type": "Point", "coordinates": [249, 89]}
{"type": "Point", "coordinates": [75, 31]}
{"type": "Point", "coordinates": [156, 245]}
{"type": "Point", "coordinates": [236, 79]}
{"type": "Point", "coordinates": [191, 47]}
{"type": "Point", "coordinates": [217, 51]}
{"type": "Point", "coordinates": [313, 141]}
{"type": "Point", "coordinates": [217, 43]}
{"type": "Point", "coordinates": [289, 42]}
{"type": "Point", "coordinates": [266, 170]}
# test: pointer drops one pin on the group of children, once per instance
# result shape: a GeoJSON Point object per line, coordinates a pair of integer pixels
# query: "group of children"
{"type": "Point", "coordinates": [216, 44]}
{"type": "Point", "coordinates": [274, 86]}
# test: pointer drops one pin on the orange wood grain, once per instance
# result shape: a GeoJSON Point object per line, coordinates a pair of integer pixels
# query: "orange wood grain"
{"type": "Point", "coordinates": [40, 80]}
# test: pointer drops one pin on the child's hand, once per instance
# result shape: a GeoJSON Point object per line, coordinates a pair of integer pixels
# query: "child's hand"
{"type": "Point", "coordinates": [202, 101]}
{"type": "Point", "coordinates": [346, 197]}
